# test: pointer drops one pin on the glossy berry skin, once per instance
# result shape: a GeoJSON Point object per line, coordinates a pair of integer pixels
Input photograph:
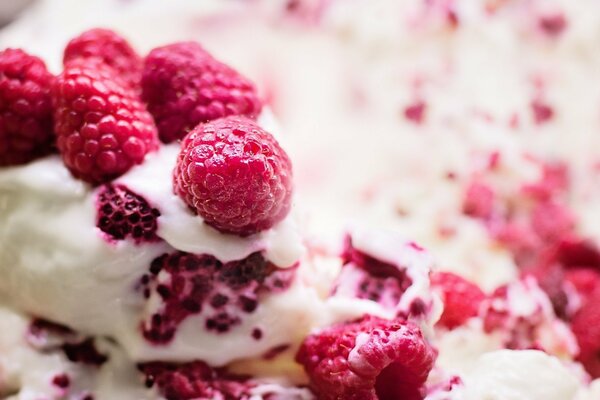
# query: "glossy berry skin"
{"type": "Point", "coordinates": [461, 298]}
{"type": "Point", "coordinates": [369, 359]}
{"type": "Point", "coordinates": [184, 85]}
{"type": "Point", "coordinates": [109, 47]}
{"type": "Point", "coordinates": [123, 214]}
{"type": "Point", "coordinates": [102, 128]}
{"type": "Point", "coordinates": [235, 175]}
{"type": "Point", "coordinates": [25, 108]}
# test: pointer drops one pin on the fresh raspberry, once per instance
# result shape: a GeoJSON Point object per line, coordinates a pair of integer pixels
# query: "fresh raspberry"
{"type": "Point", "coordinates": [234, 175]}
{"type": "Point", "coordinates": [183, 86]}
{"type": "Point", "coordinates": [102, 128]}
{"type": "Point", "coordinates": [551, 221]}
{"type": "Point", "coordinates": [586, 328]}
{"type": "Point", "coordinates": [585, 280]}
{"type": "Point", "coordinates": [109, 47]}
{"type": "Point", "coordinates": [461, 298]}
{"type": "Point", "coordinates": [200, 284]}
{"type": "Point", "coordinates": [573, 252]}
{"type": "Point", "coordinates": [479, 201]}
{"type": "Point", "coordinates": [122, 213]}
{"type": "Point", "coordinates": [25, 108]}
{"type": "Point", "coordinates": [369, 359]}
{"type": "Point", "coordinates": [195, 380]}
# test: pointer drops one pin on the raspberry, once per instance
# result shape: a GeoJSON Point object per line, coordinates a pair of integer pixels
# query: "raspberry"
{"type": "Point", "coordinates": [369, 359]}
{"type": "Point", "coordinates": [102, 128]}
{"type": "Point", "coordinates": [121, 213]}
{"type": "Point", "coordinates": [234, 175]}
{"type": "Point", "coordinates": [585, 280]}
{"type": "Point", "coordinates": [111, 48]}
{"type": "Point", "coordinates": [479, 201]}
{"type": "Point", "coordinates": [461, 298]}
{"type": "Point", "coordinates": [25, 108]}
{"type": "Point", "coordinates": [201, 284]}
{"type": "Point", "coordinates": [183, 86]}
{"type": "Point", "coordinates": [586, 328]}
{"type": "Point", "coordinates": [195, 380]}
{"type": "Point", "coordinates": [84, 352]}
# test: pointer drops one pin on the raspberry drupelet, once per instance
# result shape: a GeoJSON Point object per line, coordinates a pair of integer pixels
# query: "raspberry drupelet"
{"type": "Point", "coordinates": [102, 128]}
{"type": "Point", "coordinates": [109, 47]}
{"type": "Point", "coordinates": [461, 298]}
{"type": "Point", "coordinates": [25, 108]}
{"type": "Point", "coordinates": [184, 85]}
{"type": "Point", "coordinates": [235, 175]}
{"type": "Point", "coordinates": [369, 359]}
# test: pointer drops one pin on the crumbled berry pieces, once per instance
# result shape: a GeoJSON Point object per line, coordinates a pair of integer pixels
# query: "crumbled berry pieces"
{"type": "Point", "coordinates": [586, 328]}
{"type": "Point", "coordinates": [84, 352]}
{"type": "Point", "coordinates": [102, 128]}
{"type": "Point", "coordinates": [222, 292]}
{"type": "Point", "coordinates": [461, 298]}
{"type": "Point", "coordinates": [183, 86]}
{"type": "Point", "coordinates": [479, 201]}
{"type": "Point", "coordinates": [109, 47]}
{"type": "Point", "coordinates": [370, 359]}
{"type": "Point", "coordinates": [234, 175]}
{"type": "Point", "coordinates": [25, 108]}
{"type": "Point", "coordinates": [195, 380]}
{"type": "Point", "coordinates": [61, 380]}
{"type": "Point", "coordinates": [122, 213]}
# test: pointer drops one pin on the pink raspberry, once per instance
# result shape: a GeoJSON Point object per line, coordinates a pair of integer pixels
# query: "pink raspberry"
{"type": "Point", "coordinates": [122, 213]}
{"type": "Point", "coordinates": [183, 86]}
{"type": "Point", "coordinates": [109, 47]}
{"type": "Point", "coordinates": [195, 380]}
{"type": "Point", "coordinates": [223, 293]}
{"type": "Point", "coordinates": [102, 128]}
{"type": "Point", "coordinates": [461, 298]}
{"type": "Point", "coordinates": [586, 328]}
{"type": "Point", "coordinates": [25, 108]}
{"type": "Point", "coordinates": [234, 175]}
{"type": "Point", "coordinates": [369, 359]}
{"type": "Point", "coordinates": [479, 201]}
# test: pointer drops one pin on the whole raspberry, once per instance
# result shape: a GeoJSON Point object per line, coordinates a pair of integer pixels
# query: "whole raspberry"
{"type": "Point", "coordinates": [369, 359]}
{"type": "Point", "coordinates": [122, 213]}
{"type": "Point", "coordinates": [183, 86]}
{"type": "Point", "coordinates": [102, 128]}
{"type": "Point", "coordinates": [586, 328]}
{"type": "Point", "coordinates": [461, 298]}
{"type": "Point", "coordinates": [234, 175]}
{"type": "Point", "coordinates": [195, 380]}
{"type": "Point", "coordinates": [109, 47]}
{"type": "Point", "coordinates": [25, 108]}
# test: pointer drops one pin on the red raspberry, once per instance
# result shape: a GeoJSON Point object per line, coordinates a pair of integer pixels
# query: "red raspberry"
{"type": "Point", "coordinates": [234, 175]}
{"type": "Point", "coordinates": [195, 380]}
{"type": "Point", "coordinates": [461, 298]}
{"type": "Point", "coordinates": [586, 328]}
{"type": "Point", "coordinates": [369, 359]}
{"type": "Point", "coordinates": [123, 213]}
{"type": "Point", "coordinates": [111, 48]}
{"type": "Point", "coordinates": [183, 85]}
{"type": "Point", "coordinates": [25, 108]}
{"type": "Point", "coordinates": [102, 128]}
{"type": "Point", "coordinates": [479, 201]}
{"type": "Point", "coordinates": [585, 280]}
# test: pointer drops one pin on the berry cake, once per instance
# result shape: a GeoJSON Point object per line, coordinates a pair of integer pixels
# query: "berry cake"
{"type": "Point", "coordinates": [303, 199]}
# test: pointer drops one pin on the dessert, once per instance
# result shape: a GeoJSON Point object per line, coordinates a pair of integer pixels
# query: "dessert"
{"type": "Point", "coordinates": [415, 232]}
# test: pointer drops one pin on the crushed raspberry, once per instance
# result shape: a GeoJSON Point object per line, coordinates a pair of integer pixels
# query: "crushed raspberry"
{"type": "Point", "coordinates": [102, 128]}
{"type": "Point", "coordinates": [371, 358]}
{"type": "Point", "coordinates": [479, 201]}
{"type": "Point", "coordinates": [234, 175]}
{"type": "Point", "coordinates": [201, 284]}
{"type": "Point", "coordinates": [551, 221]}
{"type": "Point", "coordinates": [111, 48]}
{"type": "Point", "coordinates": [542, 112]}
{"type": "Point", "coordinates": [576, 252]}
{"type": "Point", "coordinates": [585, 280]}
{"type": "Point", "coordinates": [61, 380]}
{"type": "Point", "coordinates": [461, 298]}
{"type": "Point", "coordinates": [415, 112]}
{"type": "Point", "coordinates": [553, 24]}
{"type": "Point", "coordinates": [586, 328]}
{"type": "Point", "coordinates": [122, 213]}
{"type": "Point", "coordinates": [554, 181]}
{"type": "Point", "coordinates": [183, 86]}
{"type": "Point", "coordinates": [195, 380]}
{"type": "Point", "coordinates": [25, 108]}
{"type": "Point", "coordinates": [369, 278]}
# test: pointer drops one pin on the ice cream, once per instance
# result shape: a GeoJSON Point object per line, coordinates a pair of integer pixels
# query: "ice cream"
{"type": "Point", "coordinates": [443, 136]}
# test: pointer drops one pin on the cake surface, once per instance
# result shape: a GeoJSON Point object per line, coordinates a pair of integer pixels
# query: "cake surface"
{"type": "Point", "coordinates": [439, 240]}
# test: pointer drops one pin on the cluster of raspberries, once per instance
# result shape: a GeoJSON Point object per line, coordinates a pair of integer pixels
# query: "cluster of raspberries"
{"type": "Point", "coordinates": [110, 108]}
